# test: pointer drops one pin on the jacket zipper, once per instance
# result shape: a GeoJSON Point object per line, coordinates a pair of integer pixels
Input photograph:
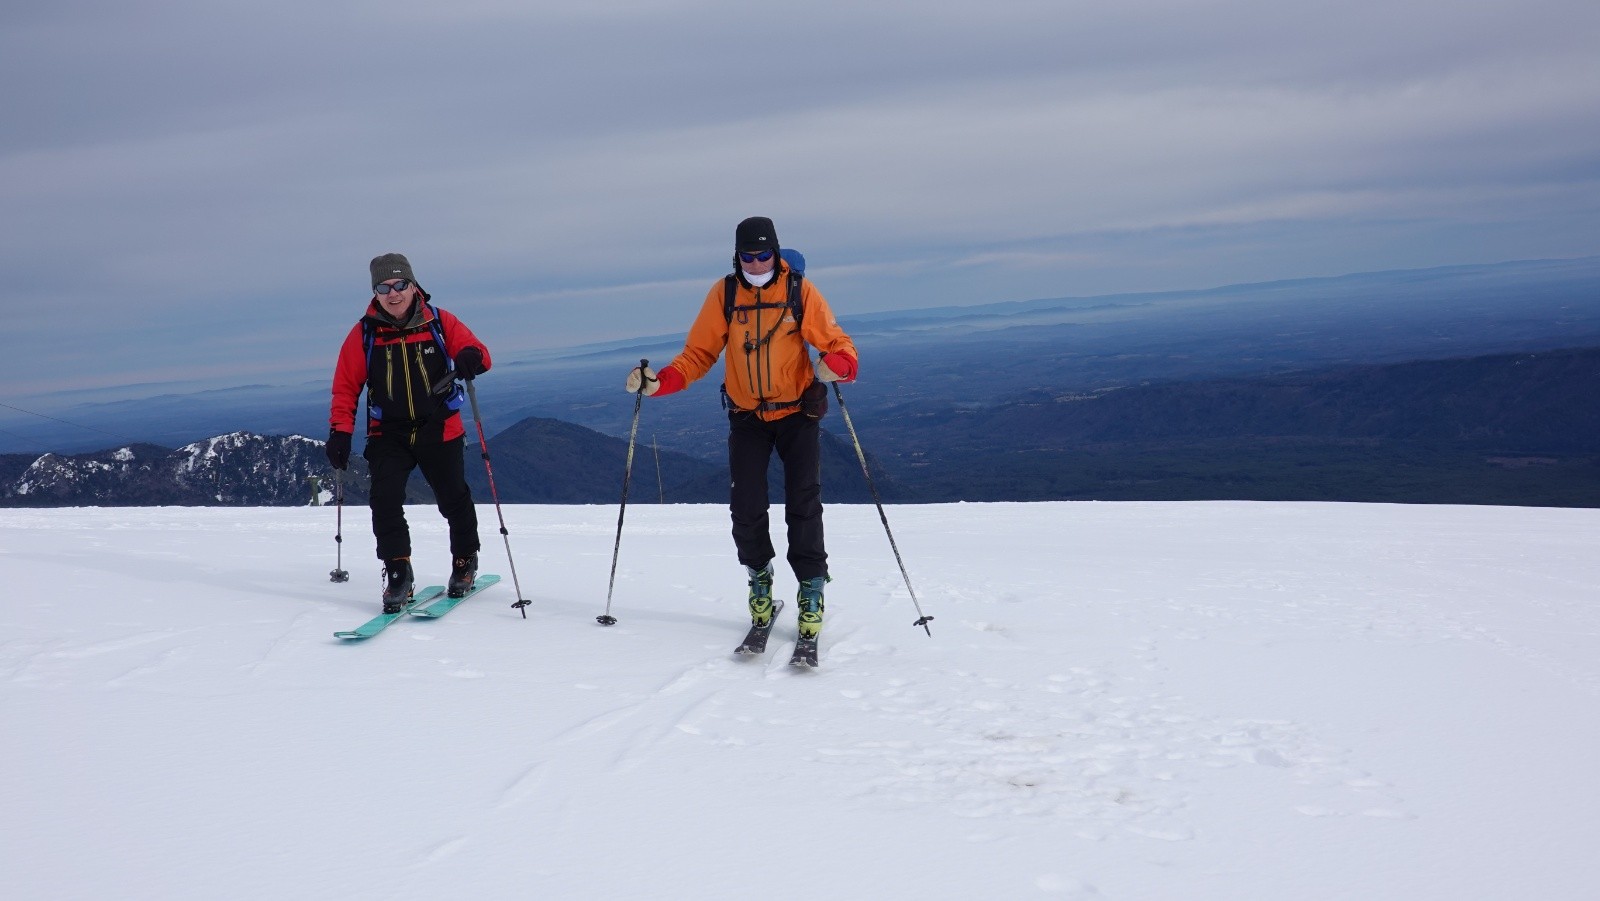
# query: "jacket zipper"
{"type": "Point", "coordinates": [388, 370]}
{"type": "Point", "coordinates": [411, 397]}
{"type": "Point", "coordinates": [764, 356]}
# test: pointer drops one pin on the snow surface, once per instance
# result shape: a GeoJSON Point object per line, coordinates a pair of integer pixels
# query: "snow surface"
{"type": "Point", "coordinates": [1136, 701]}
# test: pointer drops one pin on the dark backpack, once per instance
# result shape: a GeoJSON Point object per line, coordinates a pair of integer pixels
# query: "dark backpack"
{"type": "Point", "coordinates": [448, 388]}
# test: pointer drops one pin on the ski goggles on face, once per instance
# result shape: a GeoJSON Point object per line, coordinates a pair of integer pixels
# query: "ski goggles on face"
{"type": "Point", "coordinates": [760, 257]}
{"type": "Point", "coordinates": [400, 285]}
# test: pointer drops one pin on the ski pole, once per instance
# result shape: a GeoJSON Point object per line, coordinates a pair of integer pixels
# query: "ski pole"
{"type": "Point", "coordinates": [483, 445]}
{"type": "Point", "coordinates": [922, 618]}
{"type": "Point", "coordinates": [606, 619]}
{"type": "Point", "coordinates": [661, 491]}
{"type": "Point", "coordinates": [339, 574]}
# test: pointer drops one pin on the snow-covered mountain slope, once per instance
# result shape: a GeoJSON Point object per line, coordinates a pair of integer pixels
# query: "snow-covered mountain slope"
{"type": "Point", "coordinates": [238, 469]}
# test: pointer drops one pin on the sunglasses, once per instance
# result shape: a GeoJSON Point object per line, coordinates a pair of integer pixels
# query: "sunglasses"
{"type": "Point", "coordinates": [400, 285]}
{"type": "Point", "coordinates": [761, 257]}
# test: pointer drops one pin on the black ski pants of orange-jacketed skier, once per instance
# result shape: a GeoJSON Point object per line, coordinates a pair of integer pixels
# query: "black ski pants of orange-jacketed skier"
{"type": "Point", "coordinates": [796, 438]}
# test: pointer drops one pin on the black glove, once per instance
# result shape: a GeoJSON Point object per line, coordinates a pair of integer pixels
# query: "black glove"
{"type": "Point", "coordinates": [338, 449]}
{"type": "Point", "coordinates": [469, 363]}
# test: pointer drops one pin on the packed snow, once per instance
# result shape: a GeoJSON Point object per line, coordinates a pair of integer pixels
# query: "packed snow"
{"type": "Point", "coordinates": [1117, 701]}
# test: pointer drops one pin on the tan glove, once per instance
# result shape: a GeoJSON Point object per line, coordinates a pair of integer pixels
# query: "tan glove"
{"type": "Point", "coordinates": [646, 376]}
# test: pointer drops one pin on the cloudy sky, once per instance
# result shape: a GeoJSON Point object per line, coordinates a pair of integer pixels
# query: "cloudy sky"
{"type": "Point", "coordinates": [192, 190]}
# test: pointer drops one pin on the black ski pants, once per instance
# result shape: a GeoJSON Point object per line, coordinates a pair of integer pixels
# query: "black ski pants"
{"type": "Point", "coordinates": [751, 441]}
{"type": "Point", "coordinates": [391, 460]}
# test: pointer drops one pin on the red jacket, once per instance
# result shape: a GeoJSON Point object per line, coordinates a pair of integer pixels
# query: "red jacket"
{"type": "Point", "coordinates": [405, 367]}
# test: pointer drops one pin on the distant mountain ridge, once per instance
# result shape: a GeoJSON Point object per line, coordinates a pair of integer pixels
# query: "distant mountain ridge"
{"type": "Point", "coordinates": [1498, 429]}
{"type": "Point", "coordinates": [238, 469]}
{"type": "Point", "coordinates": [1505, 429]}
{"type": "Point", "coordinates": [1468, 384]}
{"type": "Point", "coordinates": [536, 461]}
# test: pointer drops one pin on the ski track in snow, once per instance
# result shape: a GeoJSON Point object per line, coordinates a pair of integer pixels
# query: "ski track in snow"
{"type": "Point", "coordinates": [1085, 746]}
{"type": "Point", "coordinates": [524, 786]}
{"type": "Point", "coordinates": [1091, 746]}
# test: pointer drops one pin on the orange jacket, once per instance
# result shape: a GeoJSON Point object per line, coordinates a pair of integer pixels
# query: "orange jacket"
{"type": "Point", "coordinates": [777, 371]}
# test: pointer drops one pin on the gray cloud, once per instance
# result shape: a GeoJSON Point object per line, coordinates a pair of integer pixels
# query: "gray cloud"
{"type": "Point", "coordinates": [193, 189]}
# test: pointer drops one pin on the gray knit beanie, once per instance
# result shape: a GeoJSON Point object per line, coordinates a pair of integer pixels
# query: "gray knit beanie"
{"type": "Point", "coordinates": [391, 265]}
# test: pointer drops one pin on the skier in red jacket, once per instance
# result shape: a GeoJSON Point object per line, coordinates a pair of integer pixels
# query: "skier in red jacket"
{"type": "Point", "coordinates": [406, 354]}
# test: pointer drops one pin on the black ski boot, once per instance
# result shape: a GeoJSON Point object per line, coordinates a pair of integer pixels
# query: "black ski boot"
{"type": "Point", "coordinates": [463, 572]}
{"type": "Point", "coordinates": [398, 583]}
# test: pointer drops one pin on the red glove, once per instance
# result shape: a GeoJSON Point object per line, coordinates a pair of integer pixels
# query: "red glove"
{"type": "Point", "coordinates": [669, 379]}
{"type": "Point", "coordinates": [837, 367]}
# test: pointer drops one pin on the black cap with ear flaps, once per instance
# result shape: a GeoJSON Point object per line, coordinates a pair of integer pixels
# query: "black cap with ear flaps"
{"type": "Point", "coordinates": [755, 234]}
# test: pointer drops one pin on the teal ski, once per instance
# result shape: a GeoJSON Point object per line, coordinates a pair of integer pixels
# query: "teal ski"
{"type": "Point", "coordinates": [380, 622]}
{"type": "Point", "coordinates": [444, 604]}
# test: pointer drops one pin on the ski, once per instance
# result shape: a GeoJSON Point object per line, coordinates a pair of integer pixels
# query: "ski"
{"type": "Point", "coordinates": [446, 603]}
{"type": "Point", "coordinates": [380, 622]}
{"type": "Point", "coordinates": [805, 653]}
{"type": "Point", "coordinates": [755, 641]}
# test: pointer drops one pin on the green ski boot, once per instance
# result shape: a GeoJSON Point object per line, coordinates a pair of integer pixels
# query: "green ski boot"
{"type": "Point", "coordinates": [811, 606]}
{"type": "Point", "coordinates": [763, 610]}
{"type": "Point", "coordinates": [760, 595]}
{"type": "Point", "coordinates": [810, 602]}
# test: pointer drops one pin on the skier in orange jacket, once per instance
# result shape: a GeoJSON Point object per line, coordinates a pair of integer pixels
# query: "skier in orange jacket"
{"type": "Point", "coordinates": [765, 316]}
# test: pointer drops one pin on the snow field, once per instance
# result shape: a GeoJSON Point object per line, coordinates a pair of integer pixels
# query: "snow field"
{"type": "Point", "coordinates": [1199, 701]}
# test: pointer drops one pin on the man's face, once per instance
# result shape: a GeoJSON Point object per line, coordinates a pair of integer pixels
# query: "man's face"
{"type": "Point", "coordinates": [395, 295]}
{"type": "Point", "coordinates": [757, 262]}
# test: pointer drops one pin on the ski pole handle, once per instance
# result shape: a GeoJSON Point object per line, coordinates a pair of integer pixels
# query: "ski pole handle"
{"type": "Point", "coordinates": [644, 366]}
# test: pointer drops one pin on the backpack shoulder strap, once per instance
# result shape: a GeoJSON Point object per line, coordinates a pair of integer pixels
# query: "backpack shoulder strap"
{"type": "Point", "coordinates": [730, 289]}
{"type": "Point", "coordinates": [795, 306]}
{"type": "Point", "coordinates": [436, 325]}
